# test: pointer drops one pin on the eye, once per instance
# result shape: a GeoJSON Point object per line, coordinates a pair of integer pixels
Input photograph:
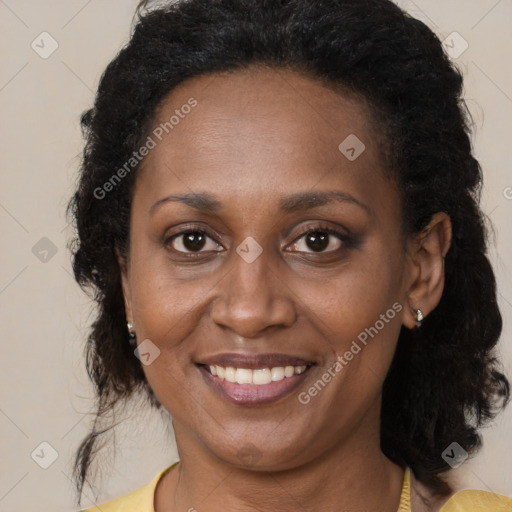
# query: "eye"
{"type": "Point", "coordinates": [319, 240]}
{"type": "Point", "coordinates": [192, 241]}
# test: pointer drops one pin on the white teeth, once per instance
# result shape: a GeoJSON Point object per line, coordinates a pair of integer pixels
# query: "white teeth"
{"type": "Point", "coordinates": [243, 376]}
{"type": "Point", "coordinates": [277, 373]}
{"type": "Point", "coordinates": [221, 372]}
{"type": "Point", "coordinates": [229, 374]}
{"type": "Point", "coordinates": [259, 377]}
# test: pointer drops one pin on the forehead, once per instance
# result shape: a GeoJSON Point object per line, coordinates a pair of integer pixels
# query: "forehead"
{"type": "Point", "coordinates": [258, 126]}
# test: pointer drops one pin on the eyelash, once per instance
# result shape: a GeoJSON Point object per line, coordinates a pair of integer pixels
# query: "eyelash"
{"type": "Point", "coordinates": [347, 240]}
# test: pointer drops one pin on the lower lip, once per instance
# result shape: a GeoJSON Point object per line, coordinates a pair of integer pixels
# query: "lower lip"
{"type": "Point", "coordinates": [253, 394]}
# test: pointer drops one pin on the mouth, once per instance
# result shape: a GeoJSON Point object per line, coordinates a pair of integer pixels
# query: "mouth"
{"type": "Point", "coordinates": [254, 380]}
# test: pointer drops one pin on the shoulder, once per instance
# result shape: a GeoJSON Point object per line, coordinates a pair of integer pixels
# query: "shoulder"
{"type": "Point", "coordinates": [471, 500]}
{"type": "Point", "coordinates": [467, 500]}
{"type": "Point", "coordinates": [140, 500]}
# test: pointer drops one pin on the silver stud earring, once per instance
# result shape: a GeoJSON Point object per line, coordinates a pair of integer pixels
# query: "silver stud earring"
{"type": "Point", "coordinates": [419, 317]}
{"type": "Point", "coordinates": [132, 338]}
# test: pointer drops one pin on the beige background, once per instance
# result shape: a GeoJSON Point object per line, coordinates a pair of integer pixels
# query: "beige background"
{"type": "Point", "coordinates": [44, 392]}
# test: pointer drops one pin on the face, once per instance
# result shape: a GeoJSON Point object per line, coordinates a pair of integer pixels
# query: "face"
{"type": "Point", "coordinates": [258, 244]}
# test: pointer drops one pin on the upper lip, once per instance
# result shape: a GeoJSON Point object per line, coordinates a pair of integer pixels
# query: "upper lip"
{"type": "Point", "coordinates": [254, 361]}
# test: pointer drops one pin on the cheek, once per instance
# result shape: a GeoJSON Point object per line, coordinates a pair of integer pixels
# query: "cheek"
{"type": "Point", "coordinates": [165, 308]}
{"type": "Point", "coordinates": [360, 321]}
{"type": "Point", "coordinates": [358, 314]}
{"type": "Point", "coordinates": [352, 301]}
{"type": "Point", "coordinates": [168, 313]}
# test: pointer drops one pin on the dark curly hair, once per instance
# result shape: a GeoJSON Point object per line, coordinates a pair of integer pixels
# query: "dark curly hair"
{"type": "Point", "coordinates": [445, 381]}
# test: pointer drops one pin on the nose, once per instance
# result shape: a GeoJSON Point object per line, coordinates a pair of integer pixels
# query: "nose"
{"type": "Point", "coordinates": [253, 298]}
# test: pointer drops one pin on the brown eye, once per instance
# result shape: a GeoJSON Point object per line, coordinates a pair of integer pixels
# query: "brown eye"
{"type": "Point", "coordinates": [192, 241]}
{"type": "Point", "coordinates": [319, 240]}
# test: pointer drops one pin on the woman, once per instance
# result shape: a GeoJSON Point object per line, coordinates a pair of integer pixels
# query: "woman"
{"type": "Point", "coordinates": [278, 206]}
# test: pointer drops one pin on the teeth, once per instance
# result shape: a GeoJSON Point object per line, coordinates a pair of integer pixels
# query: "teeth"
{"type": "Point", "coordinates": [243, 376]}
{"type": "Point", "coordinates": [277, 373]}
{"type": "Point", "coordinates": [229, 374]}
{"type": "Point", "coordinates": [261, 376]}
{"type": "Point", "coordinates": [289, 371]}
{"type": "Point", "coordinates": [258, 377]}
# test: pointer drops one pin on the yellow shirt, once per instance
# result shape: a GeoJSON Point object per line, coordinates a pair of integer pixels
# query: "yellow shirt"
{"type": "Point", "coordinates": [141, 500]}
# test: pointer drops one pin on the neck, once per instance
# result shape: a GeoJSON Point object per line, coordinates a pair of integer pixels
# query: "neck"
{"type": "Point", "coordinates": [354, 475]}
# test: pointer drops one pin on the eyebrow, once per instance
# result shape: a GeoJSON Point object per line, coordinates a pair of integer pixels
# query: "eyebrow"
{"type": "Point", "coordinates": [299, 202]}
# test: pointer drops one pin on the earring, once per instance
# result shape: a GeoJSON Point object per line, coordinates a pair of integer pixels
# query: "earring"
{"type": "Point", "coordinates": [419, 317]}
{"type": "Point", "coordinates": [132, 338]}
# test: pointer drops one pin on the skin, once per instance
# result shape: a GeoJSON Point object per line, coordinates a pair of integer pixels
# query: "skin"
{"type": "Point", "coordinates": [255, 137]}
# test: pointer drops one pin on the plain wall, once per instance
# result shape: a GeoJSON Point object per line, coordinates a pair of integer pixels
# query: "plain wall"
{"type": "Point", "coordinates": [45, 392]}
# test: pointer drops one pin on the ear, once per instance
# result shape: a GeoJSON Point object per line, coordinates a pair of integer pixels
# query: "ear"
{"type": "Point", "coordinates": [426, 253]}
{"type": "Point", "coordinates": [125, 283]}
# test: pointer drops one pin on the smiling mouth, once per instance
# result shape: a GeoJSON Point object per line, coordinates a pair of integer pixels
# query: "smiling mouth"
{"type": "Point", "coordinates": [257, 385]}
{"type": "Point", "coordinates": [256, 377]}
